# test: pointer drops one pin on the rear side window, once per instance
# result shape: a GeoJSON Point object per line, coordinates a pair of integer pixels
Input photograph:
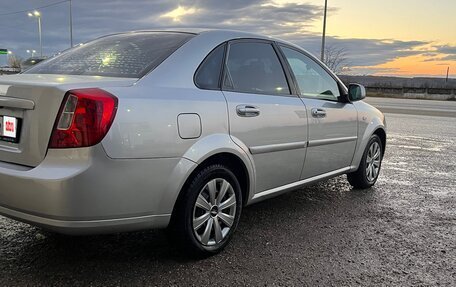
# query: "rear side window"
{"type": "Point", "coordinates": [130, 55]}
{"type": "Point", "coordinates": [255, 68]}
{"type": "Point", "coordinates": [208, 74]}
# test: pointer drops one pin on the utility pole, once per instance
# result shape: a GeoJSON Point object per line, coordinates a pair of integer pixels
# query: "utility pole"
{"type": "Point", "coordinates": [37, 14]}
{"type": "Point", "coordinates": [39, 31]}
{"type": "Point", "coordinates": [324, 33]}
{"type": "Point", "coordinates": [448, 73]}
{"type": "Point", "coordinates": [71, 26]}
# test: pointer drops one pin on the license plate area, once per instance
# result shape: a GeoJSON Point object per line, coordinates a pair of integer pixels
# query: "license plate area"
{"type": "Point", "coordinates": [10, 129]}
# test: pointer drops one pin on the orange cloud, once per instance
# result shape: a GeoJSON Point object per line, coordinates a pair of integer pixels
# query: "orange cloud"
{"type": "Point", "coordinates": [415, 65]}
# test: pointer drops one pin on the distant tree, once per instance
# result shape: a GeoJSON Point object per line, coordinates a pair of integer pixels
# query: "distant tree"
{"type": "Point", "coordinates": [336, 59]}
{"type": "Point", "coordinates": [14, 61]}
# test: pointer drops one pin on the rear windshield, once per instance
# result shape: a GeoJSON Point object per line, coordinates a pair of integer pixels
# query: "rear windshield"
{"type": "Point", "coordinates": [129, 55]}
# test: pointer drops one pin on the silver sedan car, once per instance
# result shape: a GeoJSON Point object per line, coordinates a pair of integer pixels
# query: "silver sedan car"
{"type": "Point", "coordinates": [156, 129]}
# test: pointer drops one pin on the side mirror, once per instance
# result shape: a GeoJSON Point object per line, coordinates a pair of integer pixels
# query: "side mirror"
{"type": "Point", "coordinates": [356, 92]}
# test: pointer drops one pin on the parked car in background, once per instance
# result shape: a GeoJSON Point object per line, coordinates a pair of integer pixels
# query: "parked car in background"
{"type": "Point", "coordinates": [158, 129]}
{"type": "Point", "coordinates": [30, 62]}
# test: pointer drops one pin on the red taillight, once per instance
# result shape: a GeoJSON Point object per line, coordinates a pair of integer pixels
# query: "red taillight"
{"type": "Point", "coordinates": [84, 118]}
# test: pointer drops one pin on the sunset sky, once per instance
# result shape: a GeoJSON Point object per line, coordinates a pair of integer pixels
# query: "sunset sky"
{"type": "Point", "coordinates": [430, 22]}
{"type": "Point", "coordinates": [401, 37]}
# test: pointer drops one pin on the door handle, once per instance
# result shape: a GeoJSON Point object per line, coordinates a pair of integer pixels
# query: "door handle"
{"type": "Point", "coordinates": [318, 113]}
{"type": "Point", "coordinates": [247, 111]}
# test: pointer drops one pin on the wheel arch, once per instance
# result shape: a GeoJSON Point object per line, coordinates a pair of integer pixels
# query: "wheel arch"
{"type": "Point", "coordinates": [375, 127]}
{"type": "Point", "coordinates": [381, 133]}
{"type": "Point", "coordinates": [233, 162]}
{"type": "Point", "coordinates": [220, 148]}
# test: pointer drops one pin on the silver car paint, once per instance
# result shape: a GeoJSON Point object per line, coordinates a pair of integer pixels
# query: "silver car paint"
{"type": "Point", "coordinates": [281, 122]}
{"type": "Point", "coordinates": [144, 162]}
{"type": "Point", "coordinates": [370, 119]}
{"type": "Point", "coordinates": [332, 139]}
{"type": "Point", "coordinates": [65, 187]}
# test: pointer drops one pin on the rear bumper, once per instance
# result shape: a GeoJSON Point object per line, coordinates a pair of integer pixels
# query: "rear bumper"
{"type": "Point", "coordinates": [74, 227]}
{"type": "Point", "coordinates": [82, 191]}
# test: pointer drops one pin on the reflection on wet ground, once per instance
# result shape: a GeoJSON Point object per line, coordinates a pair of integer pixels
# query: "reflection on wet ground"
{"type": "Point", "coordinates": [401, 232]}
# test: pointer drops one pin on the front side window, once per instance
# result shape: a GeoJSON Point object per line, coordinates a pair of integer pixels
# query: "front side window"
{"type": "Point", "coordinates": [313, 81]}
{"type": "Point", "coordinates": [129, 55]}
{"type": "Point", "coordinates": [254, 68]}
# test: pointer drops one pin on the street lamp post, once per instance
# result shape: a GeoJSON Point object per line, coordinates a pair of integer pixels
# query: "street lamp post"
{"type": "Point", "coordinates": [324, 33]}
{"type": "Point", "coordinates": [8, 55]}
{"type": "Point", "coordinates": [71, 26]}
{"type": "Point", "coordinates": [32, 52]}
{"type": "Point", "coordinates": [38, 15]}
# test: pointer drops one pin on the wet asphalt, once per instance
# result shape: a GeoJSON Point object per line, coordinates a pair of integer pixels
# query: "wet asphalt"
{"type": "Point", "coordinates": [402, 232]}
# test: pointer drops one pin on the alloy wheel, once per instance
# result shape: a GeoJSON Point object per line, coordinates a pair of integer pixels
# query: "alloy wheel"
{"type": "Point", "coordinates": [214, 212]}
{"type": "Point", "coordinates": [373, 161]}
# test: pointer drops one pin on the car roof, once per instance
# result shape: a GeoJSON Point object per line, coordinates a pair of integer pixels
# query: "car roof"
{"type": "Point", "coordinates": [209, 32]}
{"type": "Point", "coordinates": [198, 31]}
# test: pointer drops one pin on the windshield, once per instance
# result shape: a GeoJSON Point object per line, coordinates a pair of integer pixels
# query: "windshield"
{"type": "Point", "coordinates": [129, 55]}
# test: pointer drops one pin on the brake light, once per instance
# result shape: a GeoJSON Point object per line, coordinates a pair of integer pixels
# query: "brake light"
{"type": "Point", "coordinates": [84, 118]}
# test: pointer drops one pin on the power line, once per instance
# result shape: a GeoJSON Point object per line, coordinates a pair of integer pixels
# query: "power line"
{"type": "Point", "coordinates": [36, 8]}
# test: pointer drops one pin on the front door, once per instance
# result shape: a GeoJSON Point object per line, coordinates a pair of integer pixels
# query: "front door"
{"type": "Point", "coordinates": [333, 125]}
{"type": "Point", "coordinates": [265, 118]}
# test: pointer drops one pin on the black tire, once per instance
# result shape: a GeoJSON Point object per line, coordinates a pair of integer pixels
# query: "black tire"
{"type": "Point", "coordinates": [360, 178]}
{"type": "Point", "coordinates": [181, 226]}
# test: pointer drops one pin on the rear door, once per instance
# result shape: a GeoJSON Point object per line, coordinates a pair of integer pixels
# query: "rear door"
{"type": "Point", "coordinates": [265, 118]}
{"type": "Point", "coordinates": [333, 125]}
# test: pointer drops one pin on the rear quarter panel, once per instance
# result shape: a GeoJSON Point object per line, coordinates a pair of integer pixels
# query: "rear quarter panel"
{"type": "Point", "coordinates": [146, 124]}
